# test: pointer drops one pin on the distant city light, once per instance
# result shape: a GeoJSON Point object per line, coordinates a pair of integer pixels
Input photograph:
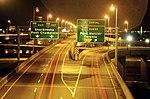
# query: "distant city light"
{"type": "Point", "coordinates": [147, 40]}
{"type": "Point", "coordinates": [129, 38]}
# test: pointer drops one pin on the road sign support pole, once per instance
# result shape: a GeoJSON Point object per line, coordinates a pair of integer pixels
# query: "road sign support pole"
{"type": "Point", "coordinates": [18, 56]}
{"type": "Point", "coordinates": [33, 45]}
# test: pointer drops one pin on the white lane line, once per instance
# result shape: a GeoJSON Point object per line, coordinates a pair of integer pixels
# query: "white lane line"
{"type": "Point", "coordinates": [112, 82]}
{"type": "Point", "coordinates": [18, 79]}
{"type": "Point", "coordinates": [78, 77]}
{"type": "Point", "coordinates": [21, 76]}
{"type": "Point", "coordinates": [62, 76]}
{"type": "Point", "coordinates": [72, 90]}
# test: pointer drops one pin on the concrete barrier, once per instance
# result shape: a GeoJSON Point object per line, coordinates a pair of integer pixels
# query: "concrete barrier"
{"type": "Point", "coordinates": [3, 81]}
{"type": "Point", "coordinates": [124, 87]}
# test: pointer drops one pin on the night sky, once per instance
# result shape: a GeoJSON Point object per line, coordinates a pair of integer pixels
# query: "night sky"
{"type": "Point", "coordinates": [20, 12]}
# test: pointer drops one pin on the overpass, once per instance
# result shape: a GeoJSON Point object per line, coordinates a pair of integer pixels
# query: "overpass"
{"type": "Point", "coordinates": [87, 58]}
{"type": "Point", "coordinates": [52, 70]}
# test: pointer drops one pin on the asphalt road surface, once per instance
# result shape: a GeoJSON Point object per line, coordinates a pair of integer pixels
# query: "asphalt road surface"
{"type": "Point", "coordinates": [53, 75]}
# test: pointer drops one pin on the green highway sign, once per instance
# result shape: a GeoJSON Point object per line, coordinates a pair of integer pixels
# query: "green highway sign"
{"type": "Point", "coordinates": [90, 30]}
{"type": "Point", "coordinates": [44, 29]}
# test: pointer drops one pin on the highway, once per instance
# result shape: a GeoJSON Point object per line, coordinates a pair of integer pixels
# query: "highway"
{"type": "Point", "coordinates": [53, 75]}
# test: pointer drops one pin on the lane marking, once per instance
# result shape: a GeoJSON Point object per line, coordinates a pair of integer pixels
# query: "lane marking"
{"type": "Point", "coordinates": [116, 94]}
{"type": "Point", "coordinates": [19, 77]}
{"type": "Point", "coordinates": [94, 90]}
{"type": "Point", "coordinates": [45, 78]}
{"type": "Point", "coordinates": [72, 90]}
{"type": "Point", "coordinates": [54, 73]}
{"type": "Point", "coordinates": [100, 83]}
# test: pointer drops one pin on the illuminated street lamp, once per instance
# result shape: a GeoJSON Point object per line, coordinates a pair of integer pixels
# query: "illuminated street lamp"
{"type": "Point", "coordinates": [129, 39]}
{"type": "Point", "coordinates": [35, 10]}
{"type": "Point", "coordinates": [57, 19]}
{"type": "Point", "coordinates": [147, 41]}
{"type": "Point", "coordinates": [49, 17]}
{"type": "Point", "coordinates": [108, 18]}
{"type": "Point", "coordinates": [9, 23]}
{"type": "Point", "coordinates": [114, 8]}
{"type": "Point", "coordinates": [127, 24]}
{"type": "Point", "coordinates": [62, 23]}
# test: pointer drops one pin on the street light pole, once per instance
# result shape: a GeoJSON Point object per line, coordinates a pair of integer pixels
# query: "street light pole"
{"type": "Point", "coordinates": [108, 18]}
{"type": "Point", "coordinates": [49, 17]}
{"type": "Point", "coordinates": [35, 10]}
{"type": "Point", "coordinates": [127, 24]}
{"type": "Point", "coordinates": [18, 55]}
{"type": "Point", "coordinates": [116, 33]}
{"type": "Point", "coordinates": [116, 44]}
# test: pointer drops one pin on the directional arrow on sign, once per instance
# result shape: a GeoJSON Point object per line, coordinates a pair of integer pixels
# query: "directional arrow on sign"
{"type": "Point", "coordinates": [37, 36]}
{"type": "Point", "coordinates": [51, 36]}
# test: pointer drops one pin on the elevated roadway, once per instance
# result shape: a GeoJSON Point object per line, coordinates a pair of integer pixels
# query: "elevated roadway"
{"type": "Point", "coordinates": [52, 74]}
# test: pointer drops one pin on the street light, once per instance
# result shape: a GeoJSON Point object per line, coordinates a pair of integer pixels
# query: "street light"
{"type": "Point", "coordinates": [114, 8]}
{"type": "Point", "coordinates": [108, 18]}
{"type": "Point", "coordinates": [35, 10]}
{"type": "Point", "coordinates": [147, 41]}
{"type": "Point", "coordinates": [129, 39]}
{"type": "Point", "coordinates": [9, 24]}
{"type": "Point", "coordinates": [57, 19]}
{"type": "Point", "coordinates": [127, 25]}
{"type": "Point", "coordinates": [49, 17]}
{"type": "Point", "coordinates": [62, 23]}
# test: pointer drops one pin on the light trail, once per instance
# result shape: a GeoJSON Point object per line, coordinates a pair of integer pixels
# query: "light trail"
{"type": "Point", "coordinates": [100, 83]}
{"type": "Point", "coordinates": [54, 73]}
{"type": "Point", "coordinates": [45, 78]}
{"type": "Point", "coordinates": [20, 77]}
{"type": "Point", "coordinates": [94, 89]}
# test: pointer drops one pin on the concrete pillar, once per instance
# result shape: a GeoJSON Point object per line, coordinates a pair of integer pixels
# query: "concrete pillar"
{"type": "Point", "coordinates": [121, 65]}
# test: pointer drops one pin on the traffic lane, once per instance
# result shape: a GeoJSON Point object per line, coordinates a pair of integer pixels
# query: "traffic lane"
{"type": "Point", "coordinates": [104, 84]}
{"type": "Point", "coordinates": [72, 87]}
{"type": "Point", "coordinates": [113, 80]}
{"type": "Point", "coordinates": [47, 92]}
{"type": "Point", "coordinates": [94, 80]}
{"type": "Point", "coordinates": [26, 78]}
